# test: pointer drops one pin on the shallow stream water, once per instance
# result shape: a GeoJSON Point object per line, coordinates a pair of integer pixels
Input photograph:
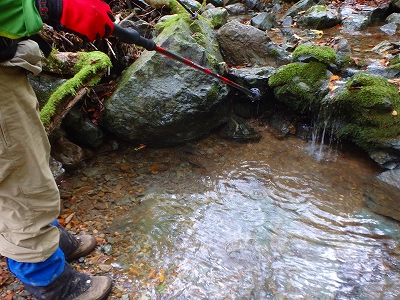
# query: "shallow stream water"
{"type": "Point", "coordinates": [214, 219]}
{"type": "Point", "coordinates": [266, 220]}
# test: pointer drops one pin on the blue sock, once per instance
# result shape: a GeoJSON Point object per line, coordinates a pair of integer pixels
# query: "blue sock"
{"type": "Point", "coordinates": [41, 273]}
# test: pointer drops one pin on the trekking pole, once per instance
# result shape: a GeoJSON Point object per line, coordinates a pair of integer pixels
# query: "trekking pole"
{"type": "Point", "coordinates": [192, 14]}
{"type": "Point", "coordinates": [131, 36]}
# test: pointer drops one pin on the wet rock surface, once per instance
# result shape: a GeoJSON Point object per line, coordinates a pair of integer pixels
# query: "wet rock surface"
{"type": "Point", "coordinates": [382, 194]}
{"type": "Point", "coordinates": [161, 102]}
{"type": "Point", "coordinates": [259, 49]}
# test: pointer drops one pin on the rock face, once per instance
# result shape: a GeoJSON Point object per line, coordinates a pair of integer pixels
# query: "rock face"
{"type": "Point", "coordinates": [256, 47]}
{"type": "Point", "coordinates": [162, 102]}
{"type": "Point", "coordinates": [319, 17]}
{"type": "Point", "coordinates": [381, 196]}
{"type": "Point", "coordinates": [367, 108]}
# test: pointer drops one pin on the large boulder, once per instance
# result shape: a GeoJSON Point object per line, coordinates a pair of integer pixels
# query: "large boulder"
{"type": "Point", "coordinates": [366, 108]}
{"type": "Point", "coordinates": [162, 102]}
{"type": "Point", "coordinates": [301, 85]}
{"type": "Point", "coordinates": [245, 45]}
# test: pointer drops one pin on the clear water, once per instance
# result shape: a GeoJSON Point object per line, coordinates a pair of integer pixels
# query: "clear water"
{"type": "Point", "coordinates": [269, 220]}
{"type": "Point", "coordinates": [278, 219]}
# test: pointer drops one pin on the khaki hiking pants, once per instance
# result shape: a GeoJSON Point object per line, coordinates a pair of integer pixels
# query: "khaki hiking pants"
{"type": "Point", "coordinates": [29, 197]}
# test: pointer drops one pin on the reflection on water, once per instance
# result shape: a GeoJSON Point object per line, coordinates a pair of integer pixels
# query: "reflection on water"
{"type": "Point", "coordinates": [261, 221]}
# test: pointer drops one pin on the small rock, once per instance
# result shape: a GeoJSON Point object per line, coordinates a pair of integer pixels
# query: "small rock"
{"type": "Point", "coordinates": [389, 29]}
{"type": "Point", "coordinates": [105, 268]}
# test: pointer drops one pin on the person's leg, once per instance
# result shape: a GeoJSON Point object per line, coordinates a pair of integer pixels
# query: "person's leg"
{"type": "Point", "coordinates": [29, 197]}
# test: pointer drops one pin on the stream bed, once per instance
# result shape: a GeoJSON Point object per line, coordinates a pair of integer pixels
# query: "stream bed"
{"type": "Point", "coordinates": [216, 219]}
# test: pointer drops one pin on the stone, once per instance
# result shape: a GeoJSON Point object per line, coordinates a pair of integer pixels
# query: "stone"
{"type": "Point", "coordinates": [217, 16]}
{"type": "Point", "coordinates": [245, 45]}
{"type": "Point", "coordinates": [162, 102]}
{"type": "Point", "coordinates": [382, 195]}
{"type": "Point", "coordinates": [264, 21]}
{"type": "Point", "coordinates": [389, 29]}
{"type": "Point", "coordinates": [319, 17]}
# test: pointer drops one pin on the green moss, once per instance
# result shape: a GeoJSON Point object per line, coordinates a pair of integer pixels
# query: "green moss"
{"type": "Point", "coordinates": [318, 8]}
{"type": "Point", "coordinates": [213, 61]}
{"type": "Point", "coordinates": [179, 11]}
{"type": "Point", "coordinates": [368, 91]}
{"type": "Point", "coordinates": [366, 105]}
{"type": "Point", "coordinates": [347, 61]}
{"type": "Point", "coordinates": [394, 66]}
{"type": "Point", "coordinates": [53, 63]}
{"type": "Point", "coordinates": [310, 73]}
{"type": "Point", "coordinates": [200, 38]}
{"type": "Point", "coordinates": [199, 30]}
{"type": "Point", "coordinates": [175, 7]}
{"type": "Point", "coordinates": [213, 93]}
{"type": "Point", "coordinates": [324, 54]}
{"type": "Point", "coordinates": [88, 67]}
{"type": "Point", "coordinates": [299, 84]}
{"type": "Point", "coordinates": [216, 20]}
{"type": "Point", "coordinates": [395, 60]}
{"type": "Point", "coordinates": [170, 22]}
{"type": "Point", "coordinates": [273, 52]}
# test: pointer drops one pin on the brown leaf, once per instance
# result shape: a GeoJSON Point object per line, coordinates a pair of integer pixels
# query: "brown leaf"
{"type": "Point", "coordinates": [9, 296]}
{"type": "Point", "coordinates": [69, 218]}
{"type": "Point", "coordinates": [152, 274]}
{"type": "Point", "coordinates": [133, 271]}
{"type": "Point", "coordinates": [3, 276]}
{"type": "Point", "coordinates": [141, 146]}
{"type": "Point", "coordinates": [161, 275]}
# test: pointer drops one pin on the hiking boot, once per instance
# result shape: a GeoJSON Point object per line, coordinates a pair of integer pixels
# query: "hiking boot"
{"type": "Point", "coordinates": [75, 247]}
{"type": "Point", "coordinates": [72, 285]}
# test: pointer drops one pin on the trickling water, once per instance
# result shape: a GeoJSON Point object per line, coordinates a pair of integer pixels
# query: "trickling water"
{"type": "Point", "coordinates": [257, 221]}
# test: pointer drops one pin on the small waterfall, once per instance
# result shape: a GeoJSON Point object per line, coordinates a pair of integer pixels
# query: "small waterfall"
{"type": "Point", "coordinates": [323, 145]}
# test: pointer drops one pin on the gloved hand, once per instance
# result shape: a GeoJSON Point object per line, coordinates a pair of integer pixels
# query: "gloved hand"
{"type": "Point", "coordinates": [90, 18]}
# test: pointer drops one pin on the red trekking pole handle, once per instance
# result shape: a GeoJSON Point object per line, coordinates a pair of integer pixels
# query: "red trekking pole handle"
{"type": "Point", "coordinates": [131, 36]}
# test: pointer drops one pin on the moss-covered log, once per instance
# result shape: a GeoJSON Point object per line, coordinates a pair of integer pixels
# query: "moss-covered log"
{"type": "Point", "coordinates": [87, 69]}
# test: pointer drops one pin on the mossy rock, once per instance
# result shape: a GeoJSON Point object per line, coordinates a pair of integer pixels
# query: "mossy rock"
{"type": "Point", "coordinates": [200, 30]}
{"type": "Point", "coordinates": [311, 52]}
{"type": "Point", "coordinates": [301, 85]}
{"type": "Point", "coordinates": [368, 104]}
{"type": "Point", "coordinates": [216, 16]}
{"type": "Point", "coordinates": [162, 102]}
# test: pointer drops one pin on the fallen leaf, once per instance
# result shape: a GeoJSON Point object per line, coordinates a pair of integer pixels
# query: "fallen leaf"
{"type": "Point", "coordinates": [154, 168]}
{"type": "Point", "coordinates": [334, 77]}
{"type": "Point", "coordinates": [161, 275]}
{"type": "Point", "coordinates": [133, 271]}
{"type": "Point", "coordinates": [69, 218]}
{"type": "Point", "coordinates": [3, 276]}
{"type": "Point", "coordinates": [152, 274]}
{"type": "Point", "coordinates": [9, 296]}
{"type": "Point", "coordinates": [141, 146]}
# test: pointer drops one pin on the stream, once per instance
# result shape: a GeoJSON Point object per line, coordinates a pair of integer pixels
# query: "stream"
{"type": "Point", "coordinates": [215, 219]}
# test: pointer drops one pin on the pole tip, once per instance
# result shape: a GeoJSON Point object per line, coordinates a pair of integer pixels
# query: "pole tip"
{"type": "Point", "coordinates": [255, 94]}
